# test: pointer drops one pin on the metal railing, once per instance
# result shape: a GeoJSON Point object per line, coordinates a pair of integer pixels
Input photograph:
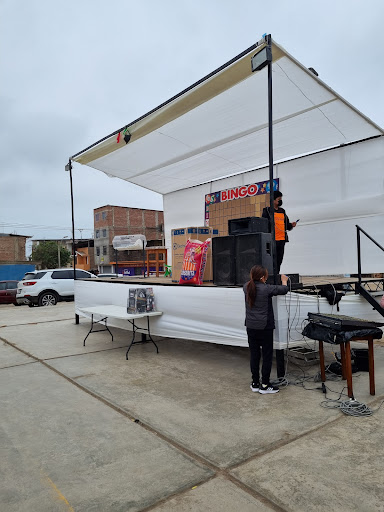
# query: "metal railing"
{"type": "Point", "coordinates": [359, 229]}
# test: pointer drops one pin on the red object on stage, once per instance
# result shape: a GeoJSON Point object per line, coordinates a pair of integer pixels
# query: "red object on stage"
{"type": "Point", "coordinates": [195, 257]}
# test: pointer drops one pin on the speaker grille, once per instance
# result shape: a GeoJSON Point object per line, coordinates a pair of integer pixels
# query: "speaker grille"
{"type": "Point", "coordinates": [252, 249]}
{"type": "Point", "coordinates": [223, 256]}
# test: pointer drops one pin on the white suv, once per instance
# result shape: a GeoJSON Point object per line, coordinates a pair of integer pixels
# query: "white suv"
{"type": "Point", "coordinates": [47, 287]}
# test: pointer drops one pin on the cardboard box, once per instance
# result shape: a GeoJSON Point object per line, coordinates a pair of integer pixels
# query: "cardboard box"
{"type": "Point", "coordinates": [202, 235]}
{"type": "Point", "coordinates": [179, 239]}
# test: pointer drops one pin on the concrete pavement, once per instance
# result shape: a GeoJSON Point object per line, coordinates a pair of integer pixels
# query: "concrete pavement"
{"type": "Point", "coordinates": [83, 429]}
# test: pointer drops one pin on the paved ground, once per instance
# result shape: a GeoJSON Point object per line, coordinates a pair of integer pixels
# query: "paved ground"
{"type": "Point", "coordinates": [82, 429]}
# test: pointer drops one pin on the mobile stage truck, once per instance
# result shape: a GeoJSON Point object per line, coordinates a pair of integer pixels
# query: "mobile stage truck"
{"type": "Point", "coordinates": [209, 150]}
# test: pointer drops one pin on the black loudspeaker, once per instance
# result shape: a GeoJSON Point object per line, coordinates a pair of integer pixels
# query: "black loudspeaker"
{"type": "Point", "coordinates": [248, 225]}
{"type": "Point", "coordinates": [252, 249]}
{"type": "Point", "coordinates": [223, 260]}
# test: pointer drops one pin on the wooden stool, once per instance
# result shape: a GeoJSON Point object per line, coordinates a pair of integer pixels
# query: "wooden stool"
{"type": "Point", "coordinates": [346, 362]}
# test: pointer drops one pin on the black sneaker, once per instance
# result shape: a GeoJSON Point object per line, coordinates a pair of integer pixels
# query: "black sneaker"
{"type": "Point", "coordinates": [255, 386]}
{"type": "Point", "coordinates": [266, 389]}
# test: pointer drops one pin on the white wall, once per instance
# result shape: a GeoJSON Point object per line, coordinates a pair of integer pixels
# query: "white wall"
{"type": "Point", "coordinates": [330, 192]}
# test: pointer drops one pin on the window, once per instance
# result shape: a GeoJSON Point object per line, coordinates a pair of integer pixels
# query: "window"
{"type": "Point", "coordinates": [97, 216]}
{"type": "Point", "coordinates": [103, 215]}
{"type": "Point", "coordinates": [97, 251]}
{"type": "Point", "coordinates": [80, 274]}
{"type": "Point", "coordinates": [3, 286]}
{"type": "Point", "coordinates": [97, 233]}
{"type": "Point", "coordinates": [104, 250]}
{"type": "Point", "coordinates": [28, 275]}
{"type": "Point", "coordinates": [38, 275]}
{"type": "Point", "coordinates": [12, 285]}
{"type": "Point", "coordinates": [62, 274]}
{"type": "Point", "coordinates": [104, 233]}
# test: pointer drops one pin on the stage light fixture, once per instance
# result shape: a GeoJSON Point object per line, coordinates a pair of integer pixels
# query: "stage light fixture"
{"type": "Point", "coordinates": [261, 59]}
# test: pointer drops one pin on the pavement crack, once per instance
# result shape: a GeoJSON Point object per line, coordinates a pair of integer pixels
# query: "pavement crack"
{"type": "Point", "coordinates": [37, 323]}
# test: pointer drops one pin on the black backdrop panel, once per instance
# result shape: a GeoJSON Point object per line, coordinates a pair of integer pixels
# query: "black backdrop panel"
{"type": "Point", "coordinates": [252, 249]}
{"type": "Point", "coordinates": [223, 259]}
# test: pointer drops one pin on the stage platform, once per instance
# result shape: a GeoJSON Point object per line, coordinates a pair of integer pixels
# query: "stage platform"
{"type": "Point", "coordinates": [306, 282]}
{"type": "Point", "coordinates": [216, 314]}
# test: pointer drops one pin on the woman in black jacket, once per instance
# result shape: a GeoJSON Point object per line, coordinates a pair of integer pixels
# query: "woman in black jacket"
{"type": "Point", "coordinates": [260, 323]}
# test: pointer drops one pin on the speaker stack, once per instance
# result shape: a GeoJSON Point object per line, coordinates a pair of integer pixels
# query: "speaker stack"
{"type": "Point", "coordinates": [247, 244]}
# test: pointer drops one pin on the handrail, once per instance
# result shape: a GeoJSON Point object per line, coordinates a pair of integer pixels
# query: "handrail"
{"type": "Point", "coordinates": [358, 228]}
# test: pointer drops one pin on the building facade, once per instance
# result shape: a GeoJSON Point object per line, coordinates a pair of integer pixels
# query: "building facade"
{"type": "Point", "coordinates": [13, 260]}
{"type": "Point", "coordinates": [111, 221]}
{"type": "Point", "coordinates": [12, 247]}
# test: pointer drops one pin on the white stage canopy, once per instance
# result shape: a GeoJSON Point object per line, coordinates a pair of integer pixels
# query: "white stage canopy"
{"type": "Point", "coordinates": [219, 126]}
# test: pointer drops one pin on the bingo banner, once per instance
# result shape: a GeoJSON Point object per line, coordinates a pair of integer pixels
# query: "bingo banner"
{"type": "Point", "coordinates": [254, 189]}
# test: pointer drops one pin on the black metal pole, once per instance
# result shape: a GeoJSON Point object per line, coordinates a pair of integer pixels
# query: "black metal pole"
{"type": "Point", "coordinates": [358, 256]}
{"type": "Point", "coordinates": [270, 144]}
{"type": "Point", "coordinates": [144, 262]}
{"type": "Point", "coordinates": [280, 360]}
{"type": "Point", "coordinates": [77, 320]}
{"type": "Point", "coordinates": [116, 266]}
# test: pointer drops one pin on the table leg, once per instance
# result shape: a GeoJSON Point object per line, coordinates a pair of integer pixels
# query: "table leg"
{"type": "Point", "coordinates": [133, 337]}
{"type": "Point", "coordinates": [143, 339]}
{"type": "Point", "coordinates": [149, 335]}
{"type": "Point", "coordinates": [105, 319]}
{"type": "Point", "coordinates": [90, 330]}
{"type": "Point", "coordinates": [342, 355]}
{"type": "Point", "coordinates": [371, 366]}
{"type": "Point", "coordinates": [322, 365]}
{"type": "Point", "coordinates": [348, 368]}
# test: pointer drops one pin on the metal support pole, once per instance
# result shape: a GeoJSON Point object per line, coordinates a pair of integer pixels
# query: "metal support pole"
{"type": "Point", "coordinates": [116, 266]}
{"type": "Point", "coordinates": [358, 256]}
{"type": "Point", "coordinates": [270, 146]}
{"type": "Point", "coordinates": [73, 228]}
{"type": "Point", "coordinates": [73, 219]}
{"type": "Point", "coordinates": [144, 262]}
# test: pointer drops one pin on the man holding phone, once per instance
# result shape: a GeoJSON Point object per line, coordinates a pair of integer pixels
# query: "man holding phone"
{"type": "Point", "coordinates": [282, 225]}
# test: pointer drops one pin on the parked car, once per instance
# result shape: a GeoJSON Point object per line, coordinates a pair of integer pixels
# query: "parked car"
{"type": "Point", "coordinates": [8, 291]}
{"type": "Point", "coordinates": [47, 287]}
{"type": "Point", "coordinates": [110, 275]}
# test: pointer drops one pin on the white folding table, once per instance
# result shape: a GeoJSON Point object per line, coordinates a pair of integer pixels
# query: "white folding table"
{"type": "Point", "coordinates": [120, 312]}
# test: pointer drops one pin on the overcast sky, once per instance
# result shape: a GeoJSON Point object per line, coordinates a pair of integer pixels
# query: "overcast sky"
{"type": "Point", "coordinates": [74, 71]}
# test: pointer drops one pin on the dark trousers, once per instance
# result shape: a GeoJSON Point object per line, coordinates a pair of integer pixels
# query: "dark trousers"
{"type": "Point", "coordinates": [261, 345]}
{"type": "Point", "coordinates": [280, 246]}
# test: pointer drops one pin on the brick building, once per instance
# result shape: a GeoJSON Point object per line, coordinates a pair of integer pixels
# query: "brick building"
{"type": "Point", "coordinates": [111, 221]}
{"type": "Point", "coordinates": [12, 247]}
{"type": "Point", "coordinates": [13, 261]}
